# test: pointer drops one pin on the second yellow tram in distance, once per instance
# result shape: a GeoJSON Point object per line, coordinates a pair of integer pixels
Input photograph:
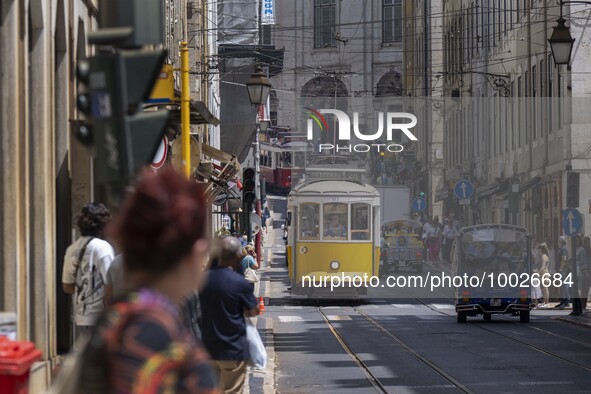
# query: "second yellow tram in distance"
{"type": "Point", "coordinates": [334, 230]}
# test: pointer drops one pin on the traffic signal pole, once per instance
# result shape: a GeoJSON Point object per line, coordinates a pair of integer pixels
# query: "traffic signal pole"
{"type": "Point", "coordinates": [185, 112]}
{"type": "Point", "coordinates": [575, 299]}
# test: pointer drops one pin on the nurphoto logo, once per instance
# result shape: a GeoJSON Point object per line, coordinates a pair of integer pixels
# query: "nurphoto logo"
{"type": "Point", "coordinates": [390, 122]}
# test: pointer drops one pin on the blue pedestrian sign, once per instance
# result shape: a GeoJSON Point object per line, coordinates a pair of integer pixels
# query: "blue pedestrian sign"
{"type": "Point", "coordinates": [572, 221]}
{"type": "Point", "coordinates": [419, 204]}
{"type": "Point", "coordinates": [464, 189]}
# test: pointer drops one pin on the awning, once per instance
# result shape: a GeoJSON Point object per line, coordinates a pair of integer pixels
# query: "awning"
{"type": "Point", "coordinates": [529, 184]}
{"type": "Point", "coordinates": [199, 114]}
{"type": "Point", "coordinates": [492, 189]}
{"type": "Point", "coordinates": [218, 168]}
{"type": "Point", "coordinates": [442, 194]}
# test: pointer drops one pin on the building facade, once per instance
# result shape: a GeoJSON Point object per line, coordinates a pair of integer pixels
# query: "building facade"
{"type": "Point", "coordinates": [46, 173]}
{"type": "Point", "coordinates": [331, 45]}
{"type": "Point", "coordinates": [423, 55]}
{"type": "Point", "coordinates": [42, 165]}
{"type": "Point", "coordinates": [337, 52]}
{"type": "Point", "coordinates": [515, 121]}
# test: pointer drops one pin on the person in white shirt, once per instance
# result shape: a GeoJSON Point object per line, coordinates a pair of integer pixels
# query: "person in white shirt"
{"type": "Point", "coordinates": [450, 233]}
{"type": "Point", "coordinates": [86, 264]}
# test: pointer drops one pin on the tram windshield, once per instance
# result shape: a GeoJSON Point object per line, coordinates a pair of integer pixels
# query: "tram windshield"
{"type": "Point", "coordinates": [309, 221]}
{"type": "Point", "coordinates": [335, 221]}
{"type": "Point", "coordinates": [360, 221]}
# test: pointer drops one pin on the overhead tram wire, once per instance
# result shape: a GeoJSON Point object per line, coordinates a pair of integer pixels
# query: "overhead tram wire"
{"type": "Point", "coordinates": [356, 24]}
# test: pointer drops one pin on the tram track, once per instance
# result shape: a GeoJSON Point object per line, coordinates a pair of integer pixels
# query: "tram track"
{"type": "Point", "coordinates": [381, 387]}
{"type": "Point", "coordinates": [375, 382]}
{"type": "Point", "coordinates": [371, 377]}
{"type": "Point", "coordinates": [520, 341]}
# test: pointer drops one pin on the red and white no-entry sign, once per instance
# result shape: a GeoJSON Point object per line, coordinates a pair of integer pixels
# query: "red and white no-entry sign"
{"type": "Point", "coordinates": [161, 153]}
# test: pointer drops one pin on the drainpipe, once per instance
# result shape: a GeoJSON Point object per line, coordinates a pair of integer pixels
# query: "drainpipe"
{"type": "Point", "coordinates": [426, 84]}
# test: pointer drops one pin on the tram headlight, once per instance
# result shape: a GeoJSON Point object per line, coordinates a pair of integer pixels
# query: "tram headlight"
{"type": "Point", "coordinates": [335, 265]}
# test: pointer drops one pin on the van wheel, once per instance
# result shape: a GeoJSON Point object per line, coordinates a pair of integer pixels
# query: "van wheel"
{"type": "Point", "coordinates": [487, 316]}
{"type": "Point", "coordinates": [524, 316]}
{"type": "Point", "coordinates": [462, 317]}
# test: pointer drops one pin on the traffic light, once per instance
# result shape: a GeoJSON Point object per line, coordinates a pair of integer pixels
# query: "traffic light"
{"type": "Point", "coordinates": [248, 185]}
{"type": "Point", "coordinates": [83, 129]}
{"type": "Point", "coordinates": [124, 137]}
{"type": "Point", "coordinates": [572, 189]}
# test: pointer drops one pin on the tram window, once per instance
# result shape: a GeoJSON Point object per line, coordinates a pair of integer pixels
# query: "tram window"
{"type": "Point", "coordinates": [299, 160]}
{"type": "Point", "coordinates": [360, 221]}
{"type": "Point", "coordinates": [286, 159]}
{"type": "Point", "coordinates": [309, 218]}
{"type": "Point", "coordinates": [263, 157]}
{"type": "Point", "coordinates": [335, 221]}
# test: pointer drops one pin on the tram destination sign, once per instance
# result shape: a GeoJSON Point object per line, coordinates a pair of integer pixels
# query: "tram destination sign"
{"type": "Point", "coordinates": [332, 175]}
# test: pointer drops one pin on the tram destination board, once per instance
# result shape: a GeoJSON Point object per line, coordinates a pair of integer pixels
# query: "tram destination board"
{"type": "Point", "coordinates": [332, 175]}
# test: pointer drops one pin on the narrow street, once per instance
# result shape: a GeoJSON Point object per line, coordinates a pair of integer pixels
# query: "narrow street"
{"type": "Point", "coordinates": [414, 345]}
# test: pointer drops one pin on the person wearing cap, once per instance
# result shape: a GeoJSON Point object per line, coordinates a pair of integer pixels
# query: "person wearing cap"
{"type": "Point", "coordinates": [563, 268]}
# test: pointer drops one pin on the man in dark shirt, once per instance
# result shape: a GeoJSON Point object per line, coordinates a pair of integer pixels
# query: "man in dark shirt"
{"type": "Point", "coordinates": [225, 300]}
{"type": "Point", "coordinates": [563, 267]}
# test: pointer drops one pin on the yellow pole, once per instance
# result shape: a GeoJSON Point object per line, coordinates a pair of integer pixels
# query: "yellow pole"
{"type": "Point", "coordinates": [185, 113]}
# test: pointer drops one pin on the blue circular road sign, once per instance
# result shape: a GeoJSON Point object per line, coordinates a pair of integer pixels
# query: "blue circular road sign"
{"type": "Point", "coordinates": [419, 204]}
{"type": "Point", "coordinates": [464, 189]}
{"type": "Point", "coordinates": [572, 221]}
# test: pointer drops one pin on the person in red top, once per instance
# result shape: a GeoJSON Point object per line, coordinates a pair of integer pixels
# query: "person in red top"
{"type": "Point", "coordinates": [140, 344]}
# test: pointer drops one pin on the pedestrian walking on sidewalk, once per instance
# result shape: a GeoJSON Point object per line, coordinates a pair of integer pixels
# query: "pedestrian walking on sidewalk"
{"type": "Point", "coordinates": [140, 344]}
{"type": "Point", "coordinates": [543, 271]}
{"type": "Point", "coordinates": [225, 300]}
{"type": "Point", "coordinates": [248, 260]}
{"type": "Point", "coordinates": [450, 233]}
{"type": "Point", "coordinates": [563, 263]}
{"type": "Point", "coordinates": [86, 264]}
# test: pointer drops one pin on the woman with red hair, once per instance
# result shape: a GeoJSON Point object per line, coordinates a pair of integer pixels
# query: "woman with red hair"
{"type": "Point", "coordinates": [140, 345]}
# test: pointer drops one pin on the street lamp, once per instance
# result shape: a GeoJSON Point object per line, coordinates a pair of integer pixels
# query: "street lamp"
{"type": "Point", "coordinates": [264, 125]}
{"type": "Point", "coordinates": [561, 42]}
{"type": "Point", "coordinates": [258, 86]}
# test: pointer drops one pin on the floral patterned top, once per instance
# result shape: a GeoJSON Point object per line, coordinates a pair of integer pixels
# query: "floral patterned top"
{"type": "Point", "coordinates": [140, 345]}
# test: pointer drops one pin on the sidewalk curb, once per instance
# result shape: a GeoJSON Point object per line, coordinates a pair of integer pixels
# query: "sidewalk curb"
{"type": "Point", "coordinates": [263, 381]}
{"type": "Point", "coordinates": [576, 321]}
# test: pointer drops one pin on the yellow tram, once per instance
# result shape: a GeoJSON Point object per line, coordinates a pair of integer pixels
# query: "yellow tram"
{"type": "Point", "coordinates": [333, 238]}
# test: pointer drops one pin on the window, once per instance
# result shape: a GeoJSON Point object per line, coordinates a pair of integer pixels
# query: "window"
{"type": "Point", "coordinates": [483, 37]}
{"type": "Point", "coordinates": [324, 23]}
{"type": "Point", "coordinates": [266, 35]}
{"type": "Point", "coordinates": [392, 21]}
{"type": "Point", "coordinates": [335, 221]}
{"type": "Point", "coordinates": [360, 222]}
{"type": "Point", "coordinates": [542, 81]}
{"type": "Point", "coordinates": [534, 81]}
{"type": "Point", "coordinates": [534, 93]}
{"type": "Point", "coordinates": [309, 218]}
{"type": "Point", "coordinates": [513, 127]}
{"type": "Point", "coordinates": [506, 16]}
{"type": "Point", "coordinates": [494, 23]}
{"type": "Point", "coordinates": [488, 22]}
